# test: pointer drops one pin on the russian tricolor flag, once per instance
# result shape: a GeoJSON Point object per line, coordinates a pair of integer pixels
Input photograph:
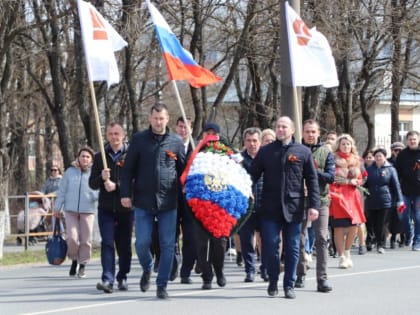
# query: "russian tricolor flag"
{"type": "Point", "coordinates": [179, 62]}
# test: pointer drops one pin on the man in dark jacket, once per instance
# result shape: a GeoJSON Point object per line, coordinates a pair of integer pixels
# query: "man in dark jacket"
{"type": "Point", "coordinates": [252, 142]}
{"type": "Point", "coordinates": [154, 162]}
{"type": "Point", "coordinates": [115, 221]}
{"type": "Point", "coordinates": [185, 217]}
{"type": "Point", "coordinates": [408, 168]}
{"type": "Point", "coordinates": [325, 166]}
{"type": "Point", "coordinates": [288, 168]}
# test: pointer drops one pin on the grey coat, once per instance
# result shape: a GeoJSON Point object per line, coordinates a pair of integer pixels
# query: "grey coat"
{"type": "Point", "coordinates": [74, 193]}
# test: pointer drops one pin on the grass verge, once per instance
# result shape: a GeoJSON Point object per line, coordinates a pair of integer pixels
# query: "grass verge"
{"type": "Point", "coordinates": [33, 256]}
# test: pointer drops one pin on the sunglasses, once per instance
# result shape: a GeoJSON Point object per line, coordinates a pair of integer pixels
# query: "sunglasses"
{"type": "Point", "coordinates": [54, 170]}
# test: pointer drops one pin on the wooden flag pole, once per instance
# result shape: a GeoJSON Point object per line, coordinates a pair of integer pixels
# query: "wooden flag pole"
{"type": "Point", "coordinates": [181, 107]}
{"type": "Point", "coordinates": [297, 114]}
{"type": "Point", "coordinates": [98, 125]}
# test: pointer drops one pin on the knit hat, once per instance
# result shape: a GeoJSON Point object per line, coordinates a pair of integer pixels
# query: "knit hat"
{"type": "Point", "coordinates": [213, 126]}
{"type": "Point", "coordinates": [397, 145]}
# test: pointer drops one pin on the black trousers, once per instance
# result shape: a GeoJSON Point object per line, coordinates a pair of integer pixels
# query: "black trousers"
{"type": "Point", "coordinates": [378, 219]}
{"type": "Point", "coordinates": [210, 254]}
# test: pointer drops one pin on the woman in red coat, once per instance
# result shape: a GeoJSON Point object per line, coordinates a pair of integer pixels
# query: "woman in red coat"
{"type": "Point", "coordinates": [346, 200]}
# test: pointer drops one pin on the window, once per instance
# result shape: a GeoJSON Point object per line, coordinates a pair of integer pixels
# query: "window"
{"type": "Point", "coordinates": [404, 127]}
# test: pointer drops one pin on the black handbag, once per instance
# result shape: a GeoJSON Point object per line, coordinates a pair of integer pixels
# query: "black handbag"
{"type": "Point", "coordinates": [56, 247]}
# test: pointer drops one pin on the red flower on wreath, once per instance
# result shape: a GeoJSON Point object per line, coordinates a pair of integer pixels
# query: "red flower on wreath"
{"type": "Point", "coordinates": [213, 218]}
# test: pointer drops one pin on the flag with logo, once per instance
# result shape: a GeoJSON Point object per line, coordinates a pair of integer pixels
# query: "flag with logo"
{"type": "Point", "coordinates": [100, 41]}
{"type": "Point", "coordinates": [179, 62]}
{"type": "Point", "coordinates": [311, 58]}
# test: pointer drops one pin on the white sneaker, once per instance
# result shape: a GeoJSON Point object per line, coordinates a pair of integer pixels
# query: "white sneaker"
{"type": "Point", "coordinates": [342, 262]}
{"type": "Point", "coordinates": [231, 252]}
{"type": "Point", "coordinates": [348, 258]}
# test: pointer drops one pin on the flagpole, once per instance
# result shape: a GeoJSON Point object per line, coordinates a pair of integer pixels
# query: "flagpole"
{"type": "Point", "coordinates": [98, 125]}
{"type": "Point", "coordinates": [181, 107]}
{"type": "Point", "coordinates": [297, 114]}
{"type": "Point", "coordinates": [290, 94]}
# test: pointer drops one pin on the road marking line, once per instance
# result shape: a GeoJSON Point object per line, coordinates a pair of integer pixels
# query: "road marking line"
{"type": "Point", "coordinates": [198, 292]}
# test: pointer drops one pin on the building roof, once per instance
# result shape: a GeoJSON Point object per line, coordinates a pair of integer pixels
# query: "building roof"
{"type": "Point", "coordinates": [408, 96]}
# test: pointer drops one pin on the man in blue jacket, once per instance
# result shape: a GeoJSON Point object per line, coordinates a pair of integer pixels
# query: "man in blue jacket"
{"type": "Point", "coordinates": [288, 168]}
{"type": "Point", "coordinates": [154, 162]}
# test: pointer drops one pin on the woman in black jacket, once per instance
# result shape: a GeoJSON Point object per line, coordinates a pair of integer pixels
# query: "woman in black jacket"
{"type": "Point", "coordinates": [384, 192]}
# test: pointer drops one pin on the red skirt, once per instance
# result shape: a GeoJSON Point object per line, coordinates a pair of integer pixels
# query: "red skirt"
{"type": "Point", "coordinates": [346, 203]}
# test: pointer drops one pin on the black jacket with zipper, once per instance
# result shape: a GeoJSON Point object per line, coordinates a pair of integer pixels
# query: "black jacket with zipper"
{"type": "Point", "coordinates": [108, 201]}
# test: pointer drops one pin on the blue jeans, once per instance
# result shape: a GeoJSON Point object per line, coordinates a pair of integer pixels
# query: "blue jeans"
{"type": "Point", "coordinates": [310, 240]}
{"type": "Point", "coordinates": [270, 237]}
{"type": "Point", "coordinates": [116, 229]}
{"type": "Point", "coordinates": [412, 213]}
{"type": "Point", "coordinates": [167, 232]}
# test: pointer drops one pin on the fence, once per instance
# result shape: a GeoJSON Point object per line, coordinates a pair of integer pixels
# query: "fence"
{"type": "Point", "coordinates": [26, 218]}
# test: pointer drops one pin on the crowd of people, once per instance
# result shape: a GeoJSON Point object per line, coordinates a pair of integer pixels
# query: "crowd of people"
{"type": "Point", "coordinates": [312, 196]}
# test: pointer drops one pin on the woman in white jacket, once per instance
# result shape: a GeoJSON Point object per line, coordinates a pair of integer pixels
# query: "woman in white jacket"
{"type": "Point", "coordinates": [79, 203]}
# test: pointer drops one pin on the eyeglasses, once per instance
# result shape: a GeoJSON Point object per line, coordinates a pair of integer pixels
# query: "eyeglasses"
{"type": "Point", "coordinates": [54, 170]}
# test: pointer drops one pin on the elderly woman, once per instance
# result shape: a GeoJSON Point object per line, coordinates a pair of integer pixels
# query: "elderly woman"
{"type": "Point", "coordinates": [384, 193]}
{"type": "Point", "coordinates": [53, 181]}
{"type": "Point", "coordinates": [346, 201]}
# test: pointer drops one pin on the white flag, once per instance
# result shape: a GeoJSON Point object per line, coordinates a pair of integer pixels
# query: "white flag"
{"type": "Point", "coordinates": [311, 58]}
{"type": "Point", "coordinates": [100, 41]}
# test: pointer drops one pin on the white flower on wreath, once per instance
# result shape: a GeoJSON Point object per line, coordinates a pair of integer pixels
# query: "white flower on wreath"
{"type": "Point", "coordinates": [220, 171]}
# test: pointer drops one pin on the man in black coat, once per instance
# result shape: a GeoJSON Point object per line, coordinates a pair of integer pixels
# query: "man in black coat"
{"type": "Point", "coordinates": [115, 221]}
{"type": "Point", "coordinates": [155, 161]}
{"type": "Point", "coordinates": [288, 169]}
{"type": "Point", "coordinates": [408, 168]}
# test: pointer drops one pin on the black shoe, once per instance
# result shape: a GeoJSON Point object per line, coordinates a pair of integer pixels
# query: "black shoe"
{"type": "Point", "coordinates": [221, 280]}
{"type": "Point", "coordinates": [289, 293]}
{"type": "Point", "coordinates": [239, 259]}
{"type": "Point", "coordinates": [272, 289]}
{"type": "Point", "coordinates": [73, 268]}
{"type": "Point", "coordinates": [186, 280]}
{"type": "Point", "coordinates": [392, 245]}
{"type": "Point", "coordinates": [250, 277]}
{"type": "Point", "coordinates": [161, 293]}
{"type": "Point", "coordinates": [156, 266]}
{"type": "Point", "coordinates": [104, 286]}
{"type": "Point", "coordinates": [300, 282]}
{"type": "Point", "coordinates": [122, 285]}
{"type": "Point", "coordinates": [323, 286]}
{"type": "Point", "coordinates": [264, 276]}
{"type": "Point", "coordinates": [206, 286]}
{"type": "Point", "coordinates": [197, 269]}
{"type": "Point", "coordinates": [145, 281]}
{"type": "Point", "coordinates": [174, 274]}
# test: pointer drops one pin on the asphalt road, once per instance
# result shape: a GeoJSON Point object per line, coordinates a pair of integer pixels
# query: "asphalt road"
{"type": "Point", "coordinates": [377, 284]}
